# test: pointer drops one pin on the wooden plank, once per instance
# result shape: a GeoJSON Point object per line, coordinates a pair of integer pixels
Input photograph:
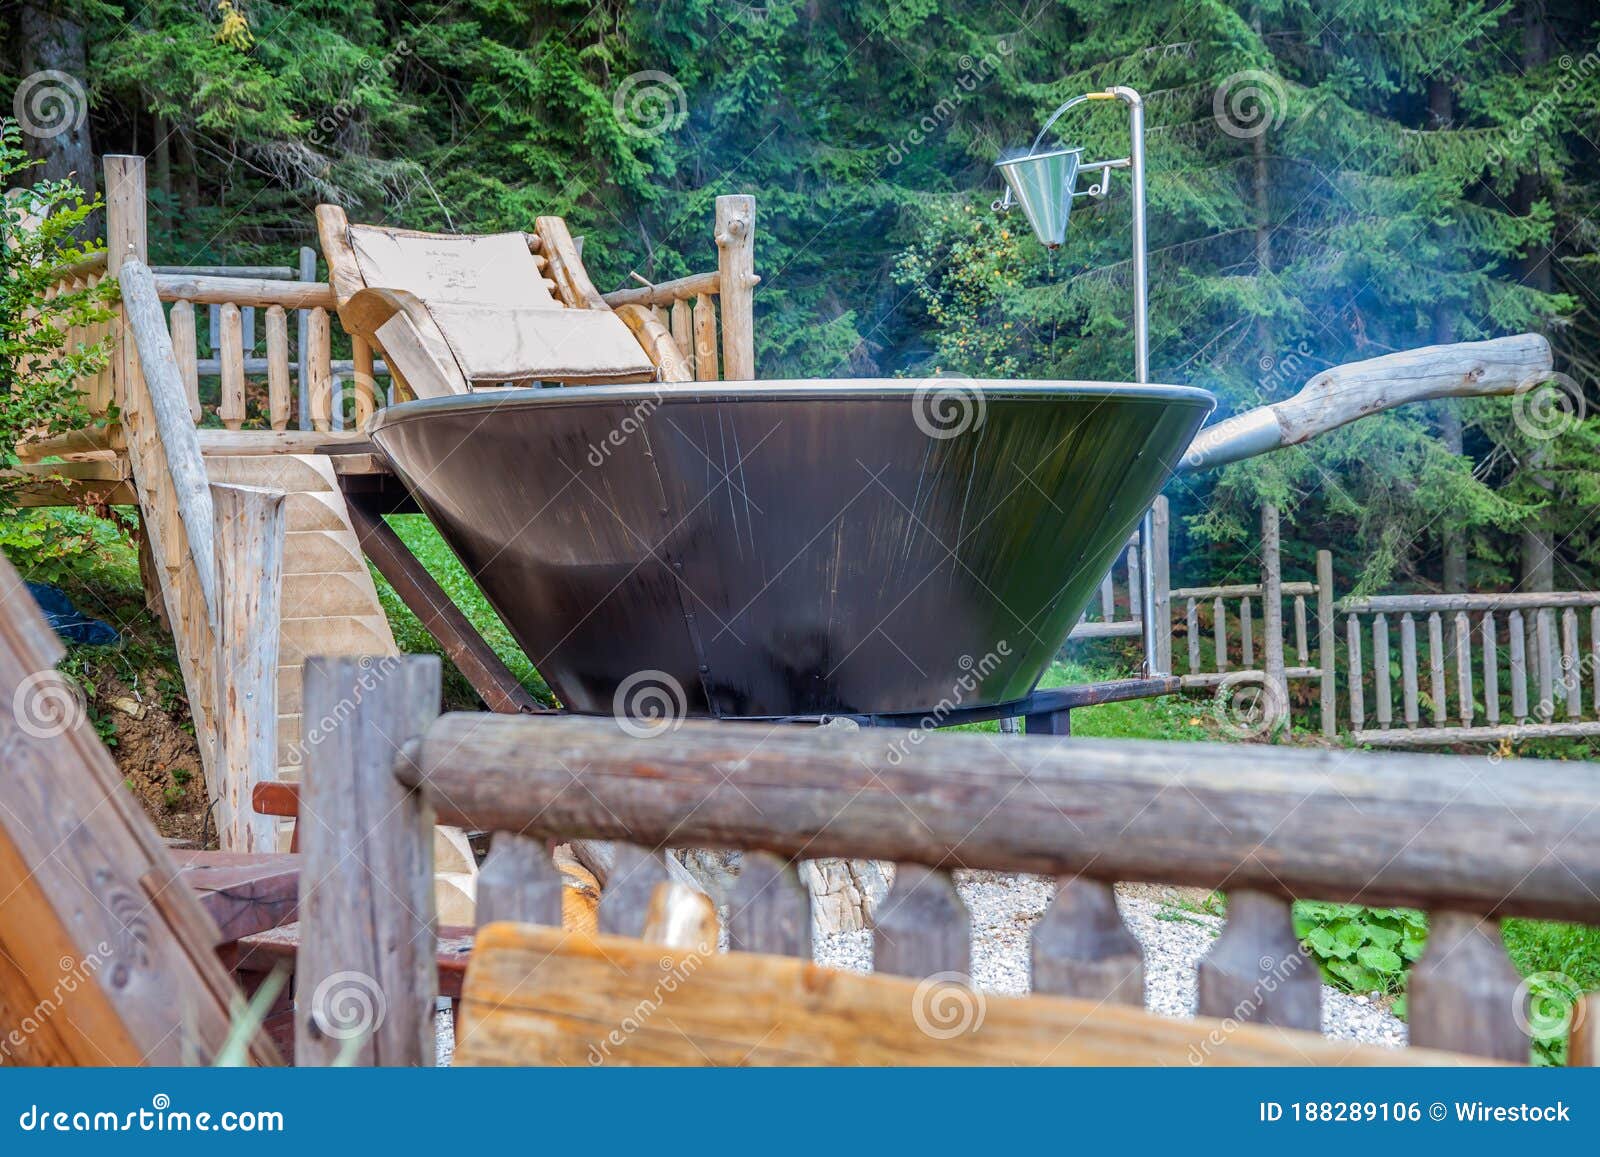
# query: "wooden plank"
{"type": "Point", "coordinates": [1275, 701]}
{"type": "Point", "coordinates": [1255, 971]}
{"type": "Point", "coordinates": [1326, 656]}
{"type": "Point", "coordinates": [1302, 655]}
{"type": "Point", "coordinates": [1082, 948]}
{"type": "Point", "coordinates": [181, 321]}
{"type": "Point", "coordinates": [1408, 667]}
{"type": "Point", "coordinates": [243, 894]}
{"type": "Point", "coordinates": [770, 910]}
{"type": "Point", "coordinates": [1594, 654]}
{"type": "Point", "coordinates": [319, 338]}
{"type": "Point", "coordinates": [736, 275]}
{"type": "Point", "coordinates": [683, 332]}
{"type": "Point", "coordinates": [1219, 632]}
{"type": "Point", "coordinates": [1570, 663]}
{"type": "Point", "coordinates": [1326, 823]}
{"type": "Point", "coordinates": [249, 545]}
{"type": "Point", "coordinates": [705, 338]}
{"type": "Point", "coordinates": [1191, 619]}
{"type": "Point", "coordinates": [1491, 669]}
{"type": "Point", "coordinates": [536, 996]}
{"type": "Point", "coordinates": [91, 893]}
{"type": "Point", "coordinates": [1382, 693]}
{"type": "Point", "coordinates": [229, 347]}
{"type": "Point", "coordinates": [278, 388]}
{"type": "Point", "coordinates": [365, 384]}
{"type": "Point", "coordinates": [1464, 995]}
{"type": "Point", "coordinates": [1135, 585]}
{"type": "Point", "coordinates": [921, 927]}
{"type": "Point", "coordinates": [1161, 570]}
{"type": "Point", "coordinates": [1519, 667]}
{"type": "Point", "coordinates": [1108, 599]}
{"type": "Point", "coordinates": [1441, 712]}
{"type": "Point", "coordinates": [1544, 634]}
{"type": "Point", "coordinates": [519, 882]}
{"type": "Point", "coordinates": [366, 977]}
{"type": "Point", "coordinates": [1464, 668]}
{"type": "Point", "coordinates": [460, 640]}
{"type": "Point", "coordinates": [631, 882]}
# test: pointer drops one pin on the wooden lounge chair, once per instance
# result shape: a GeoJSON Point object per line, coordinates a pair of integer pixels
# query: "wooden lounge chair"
{"type": "Point", "coordinates": [456, 312]}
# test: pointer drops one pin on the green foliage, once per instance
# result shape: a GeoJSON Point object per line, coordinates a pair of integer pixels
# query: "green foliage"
{"type": "Point", "coordinates": [1361, 949]}
{"type": "Point", "coordinates": [51, 545]}
{"type": "Point", "coordinates": [39, 368]}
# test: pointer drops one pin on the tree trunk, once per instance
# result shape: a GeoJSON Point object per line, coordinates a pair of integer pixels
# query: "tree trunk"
{"type": "Point", "coordinates": [1538, 540]}
{"type": "Point", "coordinates": [48, 41]}
{"type": "Point", "coordinates": [1453, 541]}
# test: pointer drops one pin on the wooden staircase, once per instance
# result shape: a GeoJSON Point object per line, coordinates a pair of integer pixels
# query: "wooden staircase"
{"type": "Point", "coordinates": [329, 603]}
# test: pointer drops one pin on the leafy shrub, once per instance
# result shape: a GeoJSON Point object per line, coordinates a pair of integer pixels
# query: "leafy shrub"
{"type": "Point", "coordinates": [1361, 949]}
{"type": "Point", "coordinates": [39, 373]}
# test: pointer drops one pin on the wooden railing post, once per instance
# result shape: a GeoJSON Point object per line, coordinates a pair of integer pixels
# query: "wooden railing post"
{"type": "Point", "coordinates": [1326, 650]}
{"type": "Point", "coordinates": [736, 268]}
{"type": "Point", "coordinates": [249, 549]}
{"type": "Point", "coordinates": [1161, 567]}
{"type": "Point", "coordinates": [1276, 705]}
{"type": "Point", "coordinates": [366, 980]}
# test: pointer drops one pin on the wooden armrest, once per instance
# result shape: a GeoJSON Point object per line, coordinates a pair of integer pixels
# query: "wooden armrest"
{"type": "Point", "coordinates": [657, 341]}
{"type": "Point", "coordinates": [415, 349]}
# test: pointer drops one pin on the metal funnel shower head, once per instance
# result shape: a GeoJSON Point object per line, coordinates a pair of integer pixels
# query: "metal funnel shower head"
{"type": "Point", "coordinates": [1043, 184]}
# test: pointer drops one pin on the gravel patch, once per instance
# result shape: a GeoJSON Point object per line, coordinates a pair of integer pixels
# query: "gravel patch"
{"type": "Point", "coordinates": [1168, 922]}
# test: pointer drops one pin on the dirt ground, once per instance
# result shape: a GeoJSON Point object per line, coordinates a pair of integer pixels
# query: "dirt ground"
{"type": "Point", "coordinates": [156, 753]}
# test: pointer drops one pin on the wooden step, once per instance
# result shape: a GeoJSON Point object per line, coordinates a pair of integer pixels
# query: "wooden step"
{"type": "Point", "coordinates": [320, 551]}
{"type": "Point", "coordinates": [346, 635]}
{"type": "Point", "coordinates": [314, 512]}
{"type": "Point", "coordinates": [320, 595]}
{"type": "Point", "coordinates": [292, 473]}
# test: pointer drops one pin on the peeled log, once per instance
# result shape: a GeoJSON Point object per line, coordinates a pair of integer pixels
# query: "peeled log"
{"type": "Point", "coordinates": [1338, 396]}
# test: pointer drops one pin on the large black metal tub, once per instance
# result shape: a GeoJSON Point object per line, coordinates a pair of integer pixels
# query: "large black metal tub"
{"type": "Point", "coordinates": [796, 548]}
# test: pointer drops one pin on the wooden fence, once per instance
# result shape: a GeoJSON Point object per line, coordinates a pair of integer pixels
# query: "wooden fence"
{"type": "Point", "coordinates": [1423, 831]}
{"type": "Point", "coordinates": [1499, 667]}
{"type": "Point", "coordinates": [1395, 670]}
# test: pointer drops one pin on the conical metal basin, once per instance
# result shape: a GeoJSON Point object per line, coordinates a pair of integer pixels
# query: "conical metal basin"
{"type": "Point", "coordinates": [791, 549]}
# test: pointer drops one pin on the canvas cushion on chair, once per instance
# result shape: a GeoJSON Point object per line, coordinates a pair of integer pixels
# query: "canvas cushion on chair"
{"type": "Point", "coordinates": [488, 298]}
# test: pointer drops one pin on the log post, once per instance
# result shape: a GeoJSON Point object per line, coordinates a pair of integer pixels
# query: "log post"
{"type": "Point", "coordinates": [1161, 571]}
{"type": "Point", "coordinates": [1326, 651]}
{"type": "Point", "coordinates": [1276, 705]}
{"type": "Point", "coordinates": [249, 544]}
{"type": "Point", "coordinates": [736, 272]}
{"type": "Point", "coordinates": [366, 978]}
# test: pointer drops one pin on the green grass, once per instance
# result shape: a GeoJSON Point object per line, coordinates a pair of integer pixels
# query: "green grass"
{"type": "Point", "coordinates": [424, 541]}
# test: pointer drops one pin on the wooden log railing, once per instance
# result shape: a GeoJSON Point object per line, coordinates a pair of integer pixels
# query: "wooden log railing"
{"type": "Point", "coordinates": [1472, 667]}
{"type": "Point", "coordinates": [694, 308]}
{"type": "Point", "coordinates": [1266, 825]}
